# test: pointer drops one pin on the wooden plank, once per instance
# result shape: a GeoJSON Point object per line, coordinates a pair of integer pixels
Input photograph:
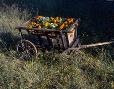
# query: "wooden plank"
{"type": "Point", "coordinates": [97, 44]}
{"type": "Point", "coordinates": [49, 41]}
{"type": "Point", "coordinates": [45, 30]}
{"type": "Point", "coordinates": [37, 29]}
{"type": "Point", "coordinates": [64, 40]}
{"type": "Point", "coordinates": [59, 41]}
{"type": "Point", "coordinates": [72, 37]}
{"type": "Point", "coordinates": [67, 42]}
{"type": "Point", "coordinates": [40, 39]}
{"type": "Point", "coordinates": [76, 43]}
{"type": "Point", "coordinates": [89, 46]}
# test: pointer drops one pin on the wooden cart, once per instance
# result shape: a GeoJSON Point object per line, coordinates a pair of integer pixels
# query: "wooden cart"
{"type": "Point", "coordinates": [47, 39]}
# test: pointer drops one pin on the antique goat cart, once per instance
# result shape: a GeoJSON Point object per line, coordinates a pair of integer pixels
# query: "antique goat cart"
{"type": "Point", "coordinates": [49, 33]}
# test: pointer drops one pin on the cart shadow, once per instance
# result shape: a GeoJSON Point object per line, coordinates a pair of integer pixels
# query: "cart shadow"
{"type": "Point", "coordinates": [10, 41]}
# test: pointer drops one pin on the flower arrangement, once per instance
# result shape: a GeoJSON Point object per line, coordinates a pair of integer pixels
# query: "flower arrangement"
{"type": "Point", "coordinates": [50, 22]}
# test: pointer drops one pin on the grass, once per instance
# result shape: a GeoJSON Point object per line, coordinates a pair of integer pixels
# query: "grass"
{"type": "Point", "coordinates": [10, 17]}
{"type": "Point", "coordinates": [79, 70]}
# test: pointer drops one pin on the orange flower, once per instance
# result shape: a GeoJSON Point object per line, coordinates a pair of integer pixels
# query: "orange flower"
{"type": "Point", "coordinates": [62, 26]}
{"type": "Point", "coordinates": [55, 21]}
{"type": "Point", "coordinates": [39, 17]}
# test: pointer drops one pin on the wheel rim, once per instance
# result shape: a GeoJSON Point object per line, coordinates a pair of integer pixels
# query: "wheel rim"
{"type": "Point", "coordinates": [26, 50]}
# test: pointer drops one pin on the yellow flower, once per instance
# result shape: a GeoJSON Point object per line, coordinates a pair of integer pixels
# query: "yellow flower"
{"type": "Point", "coordinates": [52, 18]}
{"type": "Point", "coordinates": [37, 24]}
{"type": "Point", "coordinates": [66, 22]}
{"type": "Point", "coordinates": [66, 25]}
{"type": "Point", "coordinates": [32, 23]}
{"type": "Point", "coordinates": [39, 27]}
{"type": "Point", "coordinates": [55, 21]}
{"type": "Point", "coordinates": [30, 26]}
{"type": "Point", "coordinates": [46, 24]}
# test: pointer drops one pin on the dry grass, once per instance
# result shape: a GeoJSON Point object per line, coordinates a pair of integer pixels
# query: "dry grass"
{"type": "Point", "coordinates": [10, 17]}
{"type": "Point", "coordinates": [75, 71]}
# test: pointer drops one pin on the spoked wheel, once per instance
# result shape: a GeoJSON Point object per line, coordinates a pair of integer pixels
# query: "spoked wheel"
{"type": "Point", "coordinates": [26, 50]}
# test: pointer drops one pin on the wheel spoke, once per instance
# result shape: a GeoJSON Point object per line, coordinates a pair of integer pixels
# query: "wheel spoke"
{"type": "Point", "coordinates": [26, 50]}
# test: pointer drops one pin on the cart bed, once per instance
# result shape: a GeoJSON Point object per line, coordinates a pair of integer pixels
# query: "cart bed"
{"type": "Point", "coordinates": [53, 27]}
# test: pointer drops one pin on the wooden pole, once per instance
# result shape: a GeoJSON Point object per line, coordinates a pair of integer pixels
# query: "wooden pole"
{"type": "Point", "coordinates": [97, 44]}
{"type": "Point", "coordinates": [89, 46]}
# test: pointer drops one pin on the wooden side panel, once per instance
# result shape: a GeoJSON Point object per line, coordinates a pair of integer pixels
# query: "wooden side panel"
{"type": "Point", "coordinates": [72, 36]}
{"type": "Point", "coordinates": [64, 40]}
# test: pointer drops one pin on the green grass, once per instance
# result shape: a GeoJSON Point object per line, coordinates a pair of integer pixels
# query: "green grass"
{"type": "Point", "coordinates": [10, 17]}
{"type": "Point", "coordinates": [79, 70]}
